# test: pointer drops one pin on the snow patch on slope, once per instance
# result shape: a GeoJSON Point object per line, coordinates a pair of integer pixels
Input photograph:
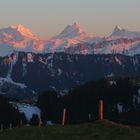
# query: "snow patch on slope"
{"type": "Point", "coordinates": [28, 110]}
{"type": "Point", "coordinates": [9, 80]}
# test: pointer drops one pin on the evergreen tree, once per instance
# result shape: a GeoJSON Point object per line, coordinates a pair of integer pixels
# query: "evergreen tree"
{"type": "Point", "coordinates": [34, 120]}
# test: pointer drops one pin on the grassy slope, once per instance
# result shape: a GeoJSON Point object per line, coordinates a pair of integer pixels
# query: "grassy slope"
{"type": "Point", "coordinates": [95, 131]}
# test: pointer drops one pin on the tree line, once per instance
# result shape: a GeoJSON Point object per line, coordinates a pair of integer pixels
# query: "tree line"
{"type": "Point", "coordinates": [121, 100]}
{"type": "Point", "coordinates": [121, 104]}
{"type": "Point", "coordinates": [10, 116]}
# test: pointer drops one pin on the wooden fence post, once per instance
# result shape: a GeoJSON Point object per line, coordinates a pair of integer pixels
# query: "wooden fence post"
{"type": "Point", "coordinates": [39, 124]}
{"type": "Point", "coordinates": [64, 117]}
{"type": "Point", "coordinates": [101, 110]}
{"type": "Point", "coordinates": [1, 127]}
{"type": "Point", "coordinates": [10, 126]}
{"type": "Point", "coordinates": [21, 123]}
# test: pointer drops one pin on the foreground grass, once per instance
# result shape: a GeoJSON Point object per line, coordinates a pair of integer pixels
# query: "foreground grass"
{"type": "Point", "coordinates": [93, 131]}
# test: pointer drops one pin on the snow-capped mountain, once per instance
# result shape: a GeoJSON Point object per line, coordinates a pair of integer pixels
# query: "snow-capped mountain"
{"type": "Point", "coordinates": [72, 31]}
{"type": "Point", "coordinates": [124, 33]}
{"type": "Point", "coordinates": [123, 46]}
{"type": "Point", "coordinates": [19, 38]}
{"type": "Point", "coordinates": [121, 41]}
{"type": "Point", "coordinates": [71, 35]}
{"type": "Point", "coordinates": [24, 31]}
{"type": "Point", "coordinates": [73, 39]}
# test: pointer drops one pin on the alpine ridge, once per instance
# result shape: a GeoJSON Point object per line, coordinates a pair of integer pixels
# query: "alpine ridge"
{"type": "Point", "coordinates": [124, 33]}
{"type": "Point", "coordinates": [73, 39]}
{"type": "Point", "coordinates": [71, 31]}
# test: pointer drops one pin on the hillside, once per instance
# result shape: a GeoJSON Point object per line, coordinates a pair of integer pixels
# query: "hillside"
{"type": "Point", "coordinates": [61, 71]}
{"type": "Point", "coordinates": [95, 131]}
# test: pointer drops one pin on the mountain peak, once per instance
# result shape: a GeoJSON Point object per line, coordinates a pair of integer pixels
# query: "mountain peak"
{"type": "Point", "coordinates": [24, 31]}
{"type": "Point", "coordinates": [76, 24]}
{"type": "Point", "coordinates": [124, 33]}
{"type": "Point", "coordinates": [77, 27]}
{"type": "Point", "coordinates": [117, 28]}
{"type": "Point", "coordinates": [20, 28]}
{"type": "Point", "coordinates": [118, 31]}
{"type": "Point", "coordinates": [72, 31]}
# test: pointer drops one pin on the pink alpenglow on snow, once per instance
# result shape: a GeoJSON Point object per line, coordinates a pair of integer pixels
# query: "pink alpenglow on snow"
{"type": "Point", "coordinates": [73, 39]}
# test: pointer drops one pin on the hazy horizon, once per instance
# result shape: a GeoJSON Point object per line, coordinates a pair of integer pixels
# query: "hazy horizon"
{"type": "Point", "coordinates": [49, 17]}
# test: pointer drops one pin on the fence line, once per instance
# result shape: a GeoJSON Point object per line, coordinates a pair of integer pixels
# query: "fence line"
{"type": "Point", "coordinates": [101, 117]}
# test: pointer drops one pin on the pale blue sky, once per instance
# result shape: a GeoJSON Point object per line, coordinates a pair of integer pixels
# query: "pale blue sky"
{"type": "Point", "coordinates": [48, 17]}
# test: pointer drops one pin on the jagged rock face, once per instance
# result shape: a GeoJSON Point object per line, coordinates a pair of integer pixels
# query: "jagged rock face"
{"type": "Point", "coordinates": [63, 71]}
